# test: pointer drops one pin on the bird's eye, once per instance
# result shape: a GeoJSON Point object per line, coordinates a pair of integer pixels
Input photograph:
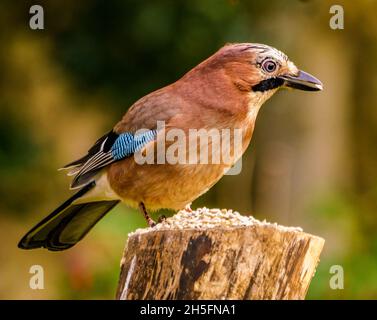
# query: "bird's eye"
{"type": "Point", "coordinates": [269, 65]}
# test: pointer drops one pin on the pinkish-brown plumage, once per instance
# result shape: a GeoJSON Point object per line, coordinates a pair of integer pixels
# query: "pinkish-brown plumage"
{"type": "Point", "coordinates": [212, 95]}
{"type": "Point", "coordinates": [224, 92]}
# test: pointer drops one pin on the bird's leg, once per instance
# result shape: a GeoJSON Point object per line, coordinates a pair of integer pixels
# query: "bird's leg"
{"type": "Point", "coordinates": [149, 220]}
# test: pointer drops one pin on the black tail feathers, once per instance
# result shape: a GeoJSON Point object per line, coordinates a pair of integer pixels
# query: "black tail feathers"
{"type": "Point", "coordinates": [68, 224]}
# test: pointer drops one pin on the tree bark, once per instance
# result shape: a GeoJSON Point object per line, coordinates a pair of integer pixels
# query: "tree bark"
{"type": "Point", "coordinates": [194, 260]}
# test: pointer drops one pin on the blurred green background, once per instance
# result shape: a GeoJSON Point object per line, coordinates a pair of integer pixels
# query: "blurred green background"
{"type": "Point", "coordinates": [313, 158]}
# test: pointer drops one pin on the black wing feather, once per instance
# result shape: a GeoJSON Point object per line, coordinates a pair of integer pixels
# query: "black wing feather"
{"type": "Point", "coordinates": [105, 142]}
{"type": "Point", "coordinates": [98, 156]}
{"type": "Point", "coordinates": [67, 224]}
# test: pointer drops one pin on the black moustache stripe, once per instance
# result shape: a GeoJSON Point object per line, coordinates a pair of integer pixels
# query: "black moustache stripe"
{"type": "Point", "coordinates": [268, 84]}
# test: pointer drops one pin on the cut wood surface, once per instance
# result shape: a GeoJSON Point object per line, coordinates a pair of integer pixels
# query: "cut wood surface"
{"type": "Point", "coordinates": [218, 254]}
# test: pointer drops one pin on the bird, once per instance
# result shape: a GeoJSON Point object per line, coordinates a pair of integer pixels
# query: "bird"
{"type": "Point", "coordinates": [225, 91]}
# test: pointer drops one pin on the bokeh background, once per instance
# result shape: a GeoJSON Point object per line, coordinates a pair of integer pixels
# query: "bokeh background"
{"type": "Point", "coordinates": [313, 158]}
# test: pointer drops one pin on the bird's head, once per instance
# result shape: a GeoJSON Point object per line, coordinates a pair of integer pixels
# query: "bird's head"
{"type": "Point", "coordinates": [260, 70]}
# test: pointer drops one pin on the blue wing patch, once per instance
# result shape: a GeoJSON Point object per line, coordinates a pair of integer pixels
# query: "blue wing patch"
{"type": "Point", "coordinates": [110, 148]}
{"type": "Point", "coordinates": [127, 143]}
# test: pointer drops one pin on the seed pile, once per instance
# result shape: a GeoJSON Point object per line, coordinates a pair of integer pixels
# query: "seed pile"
{"type": "Point", "coordinates": [204, 218]}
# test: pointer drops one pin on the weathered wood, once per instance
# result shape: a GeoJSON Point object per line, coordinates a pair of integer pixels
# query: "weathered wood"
{"type": "Point", "coordinates": [213, 254]}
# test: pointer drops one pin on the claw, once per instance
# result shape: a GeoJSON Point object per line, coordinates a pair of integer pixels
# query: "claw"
{"type": "Point", "coordinates": [161, 218]}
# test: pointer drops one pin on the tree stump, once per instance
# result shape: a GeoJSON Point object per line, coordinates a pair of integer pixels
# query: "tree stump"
{"type": "Point", "coordinates": [218, 254]}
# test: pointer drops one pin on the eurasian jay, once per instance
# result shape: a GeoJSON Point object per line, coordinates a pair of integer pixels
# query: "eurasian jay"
{"type": "Point", "coordinates": [225, 91]}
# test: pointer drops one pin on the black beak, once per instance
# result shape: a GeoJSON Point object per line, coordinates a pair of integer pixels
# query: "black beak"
{"type": "Point", "coordinates": [302, 81]}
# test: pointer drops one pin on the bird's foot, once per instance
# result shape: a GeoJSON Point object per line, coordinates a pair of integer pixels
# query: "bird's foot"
{"type": "Point", "coordinates": [188, 208]}
{"type": "Point", "coordinates": [151, 223]}
{"type": "Point", "coordinates": [161, 218]}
